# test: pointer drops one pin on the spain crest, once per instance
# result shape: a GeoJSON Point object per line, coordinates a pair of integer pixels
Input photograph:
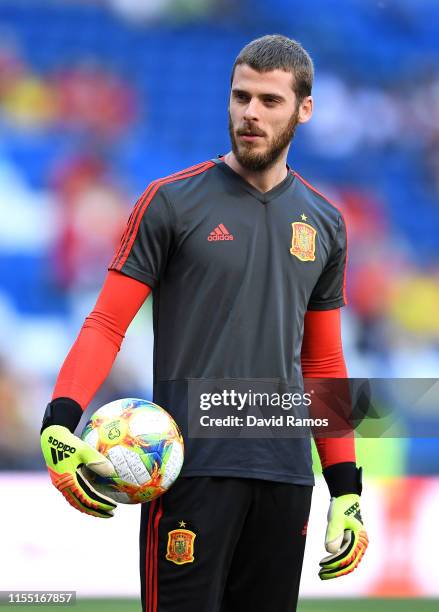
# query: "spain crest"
{"type": "Point", "coordinates": [303, 241]}
{"type": "Point", "coordinates": [180, 546]}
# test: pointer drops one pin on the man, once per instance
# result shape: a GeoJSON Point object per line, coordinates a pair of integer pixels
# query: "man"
{"type": "Point", "coordinates": [246, 263]}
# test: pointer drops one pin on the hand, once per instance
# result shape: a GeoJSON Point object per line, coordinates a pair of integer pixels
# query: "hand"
{"type": "Point", "coordinates": [65, 455]}
{"type": "Point", "coordinates": [346, 539]}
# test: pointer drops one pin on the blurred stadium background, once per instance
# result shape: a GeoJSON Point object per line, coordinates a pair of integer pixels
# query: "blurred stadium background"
{"type": "Point", "coordinates": [99, 97]}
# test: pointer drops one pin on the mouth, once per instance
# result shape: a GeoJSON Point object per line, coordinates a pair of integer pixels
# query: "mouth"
{"type": "Point", "coordinates": [249, 137]}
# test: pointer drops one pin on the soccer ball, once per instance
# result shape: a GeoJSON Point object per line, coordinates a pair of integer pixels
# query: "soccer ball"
{"type": "Point", "coordinates": [143, 443]}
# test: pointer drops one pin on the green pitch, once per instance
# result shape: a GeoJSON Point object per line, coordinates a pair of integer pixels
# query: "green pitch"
{"type": "Point", "coordinates": [310, 605]}
{"type": "Point", "coordinates": [307, 605]}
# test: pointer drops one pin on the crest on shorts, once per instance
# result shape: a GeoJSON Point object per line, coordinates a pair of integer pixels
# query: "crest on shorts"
{"type": "Point", "coordinates": [303, 241]}
{"type": "Point", "coordinates": [180, 546]}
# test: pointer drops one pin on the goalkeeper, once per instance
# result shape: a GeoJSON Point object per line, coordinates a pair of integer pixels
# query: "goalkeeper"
{"type": "Point", "coordinates": [246, 263]}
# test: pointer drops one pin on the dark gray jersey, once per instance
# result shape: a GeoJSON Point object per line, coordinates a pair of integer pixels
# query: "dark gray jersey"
{"type": "Point", "coordinates": [233, 272]}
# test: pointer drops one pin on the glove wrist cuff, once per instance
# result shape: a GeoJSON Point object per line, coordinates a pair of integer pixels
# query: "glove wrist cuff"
{"type": "Point", "coordinates": [343, 479]}
{"type": "Point", "coordinates": [62, 411]}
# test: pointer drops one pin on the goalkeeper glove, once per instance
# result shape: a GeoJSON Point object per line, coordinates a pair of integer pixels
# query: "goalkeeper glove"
{"type": "Point", "coordinates": [346, 539]}
{"type": "Point", "coordinates": [66, 455]}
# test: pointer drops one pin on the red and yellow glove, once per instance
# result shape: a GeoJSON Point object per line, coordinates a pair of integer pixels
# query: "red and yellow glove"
{"type": "Point", "coordinates": [66, 455]}
{"type": "Point", "coordinates": [346, 538]}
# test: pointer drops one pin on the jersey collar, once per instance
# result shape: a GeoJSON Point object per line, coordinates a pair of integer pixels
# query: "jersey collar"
{"type": "Point", "coordinates": [266, 197]}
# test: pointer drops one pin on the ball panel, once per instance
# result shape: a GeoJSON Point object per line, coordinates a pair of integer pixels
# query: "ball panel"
{"type": "Point", "coordinates": [113, 409]}
{"type": "Point", "coordinates": [118, 496]}
{"type": "Point", "coordinates": [152, 422]}
{"type": "Point", "coordinates": [136, 466]}
{"type": "Point", "coordinates": [91, 437]}
{"type": "Point", "coordinates": [117, 457]}
{"type": "Point", "coordinates": [173, 465]}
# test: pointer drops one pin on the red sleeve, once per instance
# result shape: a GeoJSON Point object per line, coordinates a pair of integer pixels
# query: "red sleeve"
{"type": "Point", "coordinates": [322, 357]}
{"type": "Point", "coordinates": [92, 355]}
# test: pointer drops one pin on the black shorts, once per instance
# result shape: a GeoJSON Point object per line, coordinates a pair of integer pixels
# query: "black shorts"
{"type": "Point", "coordinates": [219, 544]}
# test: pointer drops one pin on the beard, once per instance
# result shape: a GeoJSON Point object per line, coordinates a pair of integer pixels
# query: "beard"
{"type": "Point", "coordinates": [252, 160]}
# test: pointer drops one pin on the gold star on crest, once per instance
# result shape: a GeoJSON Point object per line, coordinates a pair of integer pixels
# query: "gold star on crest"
{"type": "Point", "coordinates": [303, 217]}
{"type": "Point", "coordinates": [182, 524]}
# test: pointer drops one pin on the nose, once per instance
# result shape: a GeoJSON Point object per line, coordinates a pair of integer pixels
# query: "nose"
{"type": "Point", "coordinates": [251, 112]}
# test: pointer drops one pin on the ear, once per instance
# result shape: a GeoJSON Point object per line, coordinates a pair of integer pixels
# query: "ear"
{"type": "Point", "coordinates": [305, 109]}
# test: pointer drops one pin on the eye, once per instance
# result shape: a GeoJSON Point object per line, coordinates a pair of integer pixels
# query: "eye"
{"type": "Point", "coordinates": [241, 96]}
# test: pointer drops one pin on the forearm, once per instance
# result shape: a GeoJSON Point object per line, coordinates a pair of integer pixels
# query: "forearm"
{"type": "Point", "coordinates": [92, 355]}
{"type": "Point", "coordinates": [331, 450]}
{"type": "Point", "coordinates": [322, 357]}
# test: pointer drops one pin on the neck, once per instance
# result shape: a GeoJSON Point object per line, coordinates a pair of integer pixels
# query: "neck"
{"type": "Point", "coordinates": [263, 180]}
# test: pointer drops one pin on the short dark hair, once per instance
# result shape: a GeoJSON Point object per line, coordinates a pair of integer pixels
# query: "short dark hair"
{"type": "Point", "coordinates": [275, 51]}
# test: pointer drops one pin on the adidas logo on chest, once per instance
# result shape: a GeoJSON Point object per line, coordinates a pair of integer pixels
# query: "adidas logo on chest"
{"type": "Point", "coordinates": [220, 233]}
